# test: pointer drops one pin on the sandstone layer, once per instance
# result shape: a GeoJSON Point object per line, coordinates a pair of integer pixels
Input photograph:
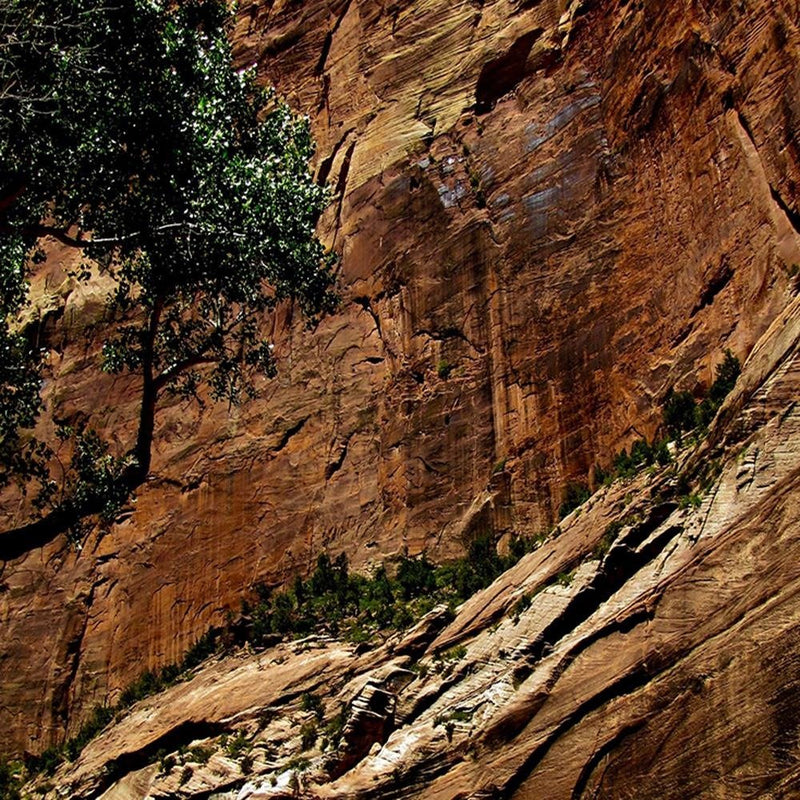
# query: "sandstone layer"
{"type": "Point", "coordinates": [548, 214]}
{"type": "Point", "coordinates": [665, 667]}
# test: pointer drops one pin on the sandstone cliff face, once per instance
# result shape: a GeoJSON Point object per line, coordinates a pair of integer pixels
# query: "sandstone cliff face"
{"type": "Point", "coordinates": [548, 214]}
{"type": "Point", "coordinates": [664, 668]}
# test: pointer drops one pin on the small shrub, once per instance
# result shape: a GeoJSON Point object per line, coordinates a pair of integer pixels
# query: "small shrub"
{"type": "Point", "coordinates": [443, 369]}
{"type": "Point", "coordinates": [455, 653]}
{"type": "Point", "coordinates": [403, 618]}
{"type": "Point", "coordinates": [679, 413]}
{"type": "Point", "coordinates": [522, 605]}
{"type": "Point", "coordinates": [166, 763]}
{"type": "Point", "coordinates": [11, 779]}
{"type": "Point", "coordinates": [727, 374]}
{"type": "Point", "coordinates": [203, 648]}
{"type": "Point", "coordinates": [236, 746]}
{"type": "Point", "coordinates": [576, 495]}
{"type": "Point", "coordinates": [246, 763]}
{"type": "Point", "coordinates": [692, 500]}
{"type": "Point", "coordinates": [308, 735]}
{"type": "Point", "coordinates": [609, 537]}
{"type": "Point", "coordinates": [499, 466]}
{"type": "Point", "coordinates": [520, 546]}
{"type": "Point", "coordinates": [415, 576]}
{"type": "Point", "coordinates": [200, 754]}
{"type": "Point", "coordinates": [601, 476]}
{"type": "Point", "coordinates": [297, 764]}
{"type": "Point", "coordinates": [335, 727]}
{"type": "Point", "coordinates": [312, 702]}
{"type": "Point", "coordinates": [357, 634]}
{"type": "Point", "coordinates": [420, 668]}
{"type": "Point", "coordinates": [565, 578]}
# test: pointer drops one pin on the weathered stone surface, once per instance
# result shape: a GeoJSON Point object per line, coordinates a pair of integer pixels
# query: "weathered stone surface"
{"type": "Point", "coordinates": [548, 214]}
{"type": "Point", "coordinates": [665, 668]}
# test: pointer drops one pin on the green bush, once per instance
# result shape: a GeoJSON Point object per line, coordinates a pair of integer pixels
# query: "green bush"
{"type": "Point", "coordinates": [727, 374]}
{"type": "Point", "coordinates": [682, 414]}
{"type": "Point", "coordinates": [692, 500]}
{"type": "Point", "coordinates": [454, 653]}
{"type": "Point", "coordinates": [312, 702]}
{"type": "Point", "coordinates": [335, 727]}
{"type": "Point", "coordinates": [576, 494]}
{"type": "Point", "coordinates": [609, 537]}
{"type": "Point", "coordinates": [166, 763]}
{"type": "Point", "coordinates": [565, 578]}
{"type": "Point", "coordinates": [308, 735]}
{"type": "Point", "coordinates": [415, 576]}
{"type": "Point", "coordinates": [679, 413]}
{"type": "Point", "coordinates": [297, 764]}
{"type": "Point", "coordinates": [522, 605]}
{"type": "Point", "coordinates": [11, 780]}
{"type": "Point", "coordinates": [200, 754]}
{"type": "Point", "coordinates": [237, 746]}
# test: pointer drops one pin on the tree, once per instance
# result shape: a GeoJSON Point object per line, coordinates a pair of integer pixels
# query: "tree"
{"type": "Point", "coordinates": [19, 380]}
{"type": "Point", "coordinates": [126, 132]}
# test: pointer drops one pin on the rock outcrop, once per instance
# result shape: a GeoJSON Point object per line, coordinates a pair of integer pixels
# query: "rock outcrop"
{"type": "Point", "coordinates": [662, 665]}
{"type": "Point", "coordinates": [548, 213]}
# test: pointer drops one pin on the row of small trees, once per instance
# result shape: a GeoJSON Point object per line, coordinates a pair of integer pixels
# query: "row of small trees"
{"type": "Point", "coordinates": [332, 601]}
{"type": "Point", "coordinates": [682, 416]}
{"type": "Point", "coordinates": [338, 602]}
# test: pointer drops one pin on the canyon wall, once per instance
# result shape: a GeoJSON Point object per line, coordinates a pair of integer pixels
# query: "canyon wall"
{"type": "Point", "coordinates": [548, 214]}
{"type": "Point", "coordinates": [657, 663]}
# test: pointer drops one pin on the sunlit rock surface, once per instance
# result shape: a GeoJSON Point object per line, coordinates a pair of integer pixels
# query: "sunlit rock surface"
{"type": "Point", "coordinates": [664, 668]}
{"type": "Point", "coordinates": [548, 214]}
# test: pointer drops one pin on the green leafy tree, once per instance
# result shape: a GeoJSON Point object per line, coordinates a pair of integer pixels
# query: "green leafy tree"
{"type": "Point", "coordinates": [575, 495]}
{"type": "Point", "coordinates": [727, 373]}
{"type": "Point", "coordinates": [679, 412]}
{"type": "Point", "coordinates": [126, 132]}
{"type": "Point", "coordinates": [20, 455]}
{"type": "Point", "coordinates": [415, 576]}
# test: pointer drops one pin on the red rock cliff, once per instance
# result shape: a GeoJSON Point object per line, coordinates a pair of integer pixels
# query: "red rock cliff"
{"type": "Point", "coordinates": [548, 214]}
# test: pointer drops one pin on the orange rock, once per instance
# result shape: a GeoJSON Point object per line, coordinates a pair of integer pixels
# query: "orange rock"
{"type": "Point", "coordinates": [548, 214]}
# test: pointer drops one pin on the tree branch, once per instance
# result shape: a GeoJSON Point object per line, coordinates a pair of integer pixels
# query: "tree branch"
{"type": "Point", "coordinates": [62, 236]}
{"type": "Point", "coordinates": [37, 231]}
{"type": "Point", "coordinates": [178, 368]}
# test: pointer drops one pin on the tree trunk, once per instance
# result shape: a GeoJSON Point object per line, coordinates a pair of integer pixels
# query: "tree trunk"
{"type": "Point", "coordinates": [17, 542]}
{"type": "Point", "coordinates": [142, 452]}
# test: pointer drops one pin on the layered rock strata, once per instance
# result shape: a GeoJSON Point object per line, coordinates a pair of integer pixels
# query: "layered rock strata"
{"type": "Point", "coordinates": [548, 214]}
{"type": "Point", "coordinates": [661, 666]}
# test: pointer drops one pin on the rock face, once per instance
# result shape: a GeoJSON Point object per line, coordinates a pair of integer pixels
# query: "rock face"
{"type": "Point", "coordinates": [663, 667]}
{"type": "Point", "coordinates": [548, 214]}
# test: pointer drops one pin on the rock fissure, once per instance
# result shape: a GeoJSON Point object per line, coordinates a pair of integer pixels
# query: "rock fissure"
{"type": "Point", "coordinates": [326, 46]}
{"type": "Point", "coordinates": [288, 435]}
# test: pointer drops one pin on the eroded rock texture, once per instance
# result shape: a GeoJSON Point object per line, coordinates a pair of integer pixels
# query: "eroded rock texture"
{"type": "Point", "coordinates": [664, 667]}
{"type": "Point", "coordinates": [548, 214]}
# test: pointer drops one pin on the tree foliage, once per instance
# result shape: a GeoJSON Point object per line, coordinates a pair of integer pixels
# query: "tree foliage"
{"type": "Point", "coordinates": [19, 377]}
{"type": "Point", "coordinates": [126, 132]}
{"type": "Point", "coordinates": [683, 414]}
